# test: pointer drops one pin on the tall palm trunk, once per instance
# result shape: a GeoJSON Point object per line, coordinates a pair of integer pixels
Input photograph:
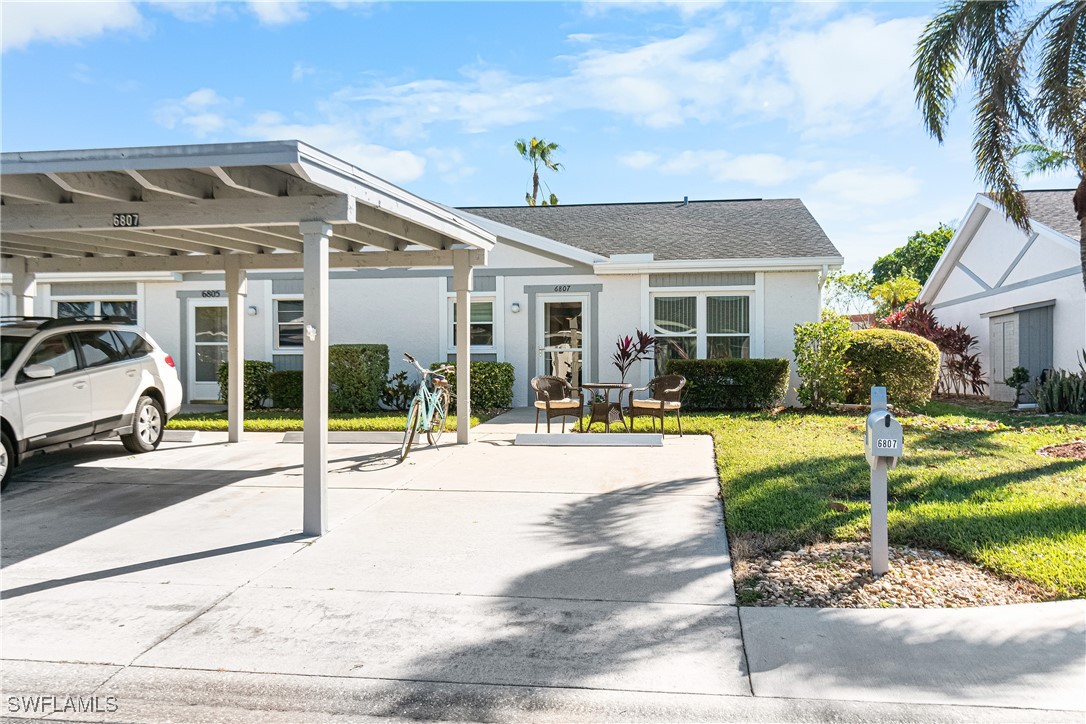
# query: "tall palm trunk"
{"type": "Point", "coordinates": [1080, 214]}
{"type": "Point", "coordinates": [535, 185]}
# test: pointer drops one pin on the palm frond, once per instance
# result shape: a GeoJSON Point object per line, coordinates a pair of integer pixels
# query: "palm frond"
{"type": "Point", "coordinates": [1061, 95]}
{"type": "Point", "coordinates": [1042, 158]}
{"type": "Point", "coordinates": [938, 53]}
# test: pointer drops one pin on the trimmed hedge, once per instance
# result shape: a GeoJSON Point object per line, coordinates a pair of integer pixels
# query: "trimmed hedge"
{"type": "Point", "coordinates": [356, 376]}
{"type": "Point", "coordinates": [255, 382]}
{"type": "Point", "coordinates": [732, 384]}
{"type": "Point", "coordinates": [906, 364]}
{"type": "Point", "coordinates": [491, 384]}
{"type": "Point", "coordinates": [285, 388]}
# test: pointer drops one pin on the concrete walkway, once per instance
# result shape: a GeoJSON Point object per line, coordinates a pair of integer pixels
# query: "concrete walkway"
{"type": "Point", "coordinates": [487, 582]}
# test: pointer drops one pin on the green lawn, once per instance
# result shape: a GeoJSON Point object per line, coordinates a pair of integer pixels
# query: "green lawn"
{"type": "Point", "coordinates": [970, 483]}
{"type": "Point", "coordinates": [291, 420]}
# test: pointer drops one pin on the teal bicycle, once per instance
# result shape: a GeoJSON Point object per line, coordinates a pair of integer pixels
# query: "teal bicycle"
{"type": "Point", "coordinates": [429, 408]}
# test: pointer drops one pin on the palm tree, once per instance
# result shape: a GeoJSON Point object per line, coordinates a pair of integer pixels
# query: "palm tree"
{"type": "Point", "coordinates": [897, 292]}
{"type": "Point", "coordinates": [538, 151]}
{"type": "Point", "coordinates": [1029, 71]}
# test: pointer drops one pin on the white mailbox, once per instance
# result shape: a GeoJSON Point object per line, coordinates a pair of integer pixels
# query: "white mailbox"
{"type": "Point", "coordinates": [883, 438]}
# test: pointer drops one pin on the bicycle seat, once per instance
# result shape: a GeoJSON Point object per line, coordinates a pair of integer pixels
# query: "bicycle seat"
{"type": "Point", "coordinates": [439, 380]}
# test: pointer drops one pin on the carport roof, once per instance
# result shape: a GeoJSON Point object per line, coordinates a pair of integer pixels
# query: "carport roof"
{"type": "Point", "coordinates": [208, 200]}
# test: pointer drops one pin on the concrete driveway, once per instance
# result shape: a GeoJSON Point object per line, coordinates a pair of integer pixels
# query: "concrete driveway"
{"type": "Point", "coordinates": [600, 568]}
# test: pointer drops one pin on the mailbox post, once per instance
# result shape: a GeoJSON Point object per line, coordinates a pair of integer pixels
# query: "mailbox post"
{"type": "Point", "coordinates": [883, 443]}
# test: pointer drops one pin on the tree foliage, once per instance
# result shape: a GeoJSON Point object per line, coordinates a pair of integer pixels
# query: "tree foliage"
{"type": "Point", "coordinates": [849, 293]}
{"type": "Point", "coordinates": [820, 359]}
{"type": "Point", "coordinates": [916, 258]}
{"type": "Point", "coordinates": [1029, 76]}
{"type": "Point", "coordinates": [895, 293]}
{"type": "Point", "coordinates": [539, 152]}
{"type": "Point", "coordinates": [960, 371]}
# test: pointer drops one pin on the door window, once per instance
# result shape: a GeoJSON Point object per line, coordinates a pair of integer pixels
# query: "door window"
{"type": "Point", "coordinates": [563, 340]}
{"type": "Point", "coordinates": [210, 342]}
{"type": "Point", "coordinates": [57, 352]}
{"type": "Point", "coordinates": [100, 347]}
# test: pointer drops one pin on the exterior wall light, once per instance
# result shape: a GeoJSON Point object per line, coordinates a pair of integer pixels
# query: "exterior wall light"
{"type": "Point", "coordinates": [252, 311]}
{"type": "Point", "coordinates": [514, 307]}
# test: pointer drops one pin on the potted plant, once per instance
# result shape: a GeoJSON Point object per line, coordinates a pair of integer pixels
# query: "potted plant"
{"type": "Point", "coordinates": [1019, 379]}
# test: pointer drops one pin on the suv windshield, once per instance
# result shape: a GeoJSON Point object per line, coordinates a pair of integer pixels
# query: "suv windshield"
{"type": "Point", "coordinates": [10, 347]}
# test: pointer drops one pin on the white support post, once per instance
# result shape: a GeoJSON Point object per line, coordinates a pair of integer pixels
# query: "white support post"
{"type": "Point", "coordinates": [880, 547]}
{"type": "Point", "coordinates": [462, 282]}
{"type": "Point", "coordinates": [24, 287]}
{"type": "Point", "coordinates": [315, 378]}
{"type": "Point", "coordinates": [236, 290]}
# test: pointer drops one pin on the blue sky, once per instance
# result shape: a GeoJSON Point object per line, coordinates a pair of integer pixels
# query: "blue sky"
{"type": "Point", "coordinates": [650, 101]}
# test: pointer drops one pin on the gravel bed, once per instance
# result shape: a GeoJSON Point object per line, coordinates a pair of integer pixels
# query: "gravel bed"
{"type": "Point", "coordinates": [838, 575]}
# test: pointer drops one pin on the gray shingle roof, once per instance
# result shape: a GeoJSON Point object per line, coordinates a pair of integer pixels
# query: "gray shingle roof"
{"type": "Point", "coordinates": [773, 228]}
{"type": "Point", "coordinates": [1054, 208]}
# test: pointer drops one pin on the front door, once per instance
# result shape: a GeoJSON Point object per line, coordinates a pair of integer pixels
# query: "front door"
{"type": "Point", "coordinates": [562, 336]}
{"type": "Point", "coordinates": [208, 342]}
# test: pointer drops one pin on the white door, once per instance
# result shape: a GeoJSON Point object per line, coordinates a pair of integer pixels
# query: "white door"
{"type": "Point", "coordinates": [562, 334]}
{"type": "Point", "coordinates": [115, 380]}
{"type": "Point", "coordinates": [1004, 355]}
{"type": "Point", "coordinates": [55, 409]}
{"type": "Point", "coordinates": [208, 340]}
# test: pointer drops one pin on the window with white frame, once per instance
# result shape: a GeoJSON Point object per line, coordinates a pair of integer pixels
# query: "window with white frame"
{"type": "Point", "coordinates": [67, 308]}
{"type": "Point", "coordinates": [703, 325]}
{"type": "Point", "coordinates": [481, 324]}
{"type": "Point", "coordinates": [288, 323]}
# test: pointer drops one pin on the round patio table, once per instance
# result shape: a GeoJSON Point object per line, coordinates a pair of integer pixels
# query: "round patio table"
{"type": "Point", "coordinates": [606, 411]}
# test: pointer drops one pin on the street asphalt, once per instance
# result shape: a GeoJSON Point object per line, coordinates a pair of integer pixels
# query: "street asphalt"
{"type": "Point", "coordinates": [491, 582]}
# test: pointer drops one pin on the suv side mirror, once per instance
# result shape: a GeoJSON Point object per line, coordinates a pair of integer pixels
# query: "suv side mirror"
{"type": "Point", "coordinates": [39, 371]}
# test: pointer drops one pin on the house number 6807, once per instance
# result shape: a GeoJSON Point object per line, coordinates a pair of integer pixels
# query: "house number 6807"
{"type": "Point", "coordinates": [561, 288]}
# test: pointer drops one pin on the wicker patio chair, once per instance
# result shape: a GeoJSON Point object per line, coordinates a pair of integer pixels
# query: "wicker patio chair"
{"type": "Point", "coordinates": [665, 395]}
{"type": "Point", "coordinates": [556, 398]}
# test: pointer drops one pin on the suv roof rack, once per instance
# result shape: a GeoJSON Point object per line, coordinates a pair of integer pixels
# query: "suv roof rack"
{"type": "Point", "coordinates": [84, 319]}
{"type": "Point", "coordinates": [18, 319]}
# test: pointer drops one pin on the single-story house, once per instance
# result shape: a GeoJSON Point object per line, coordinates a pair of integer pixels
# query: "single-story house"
{"type": "Point", "coordinates": [1019, 293]}
{"type": "Point", "coordinates": [709, 278]}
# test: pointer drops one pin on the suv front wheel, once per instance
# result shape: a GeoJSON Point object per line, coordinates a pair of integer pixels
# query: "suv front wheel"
{"type": "Point", "coordinates": [148, 425]}
{"type": "Point", "coordinates": [7, 460]}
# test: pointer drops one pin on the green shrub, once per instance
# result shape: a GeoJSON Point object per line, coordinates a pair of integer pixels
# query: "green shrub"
{"type": "Point", "coordinates": [1063, 391]}
{"type": "Point", "coordinates": [732, 384]}
{"type": "Point", "coordinates": [356, 376]}
{"type": "Point", "coordinates": [255, 383]}
{"type": "Point", "coordinates": [399, 392]}
{"type": "Point", "coordinates": [285, 388]}
{"type": "Point", "coordinates": [906, 364]}
{"type": "Point", "coordinates": [820, 359]}
{"type": "Point", "coordinates": [491, 385]}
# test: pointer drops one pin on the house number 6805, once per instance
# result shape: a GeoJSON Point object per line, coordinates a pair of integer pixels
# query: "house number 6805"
{"type": "Point", "coordinates": [561, 288]}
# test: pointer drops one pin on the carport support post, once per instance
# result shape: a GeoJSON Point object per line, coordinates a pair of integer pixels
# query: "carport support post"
{"type": "Point", "coordinates": [462, 283]}
{"type": "Point", "coordinates": [236, 289]}
{"type": "Point", "coordinates": [24, 287]}
{"type": "Point", "coordinates": [315, 377]}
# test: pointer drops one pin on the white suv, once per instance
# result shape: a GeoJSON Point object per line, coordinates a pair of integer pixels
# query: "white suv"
{"type": "Point", "coordinates": [67, 381]}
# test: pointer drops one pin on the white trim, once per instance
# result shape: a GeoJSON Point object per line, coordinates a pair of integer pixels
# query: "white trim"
{"type": "Point", "coordinates": [275, 348]}
{"type": "Point", "coordinates": [755, 318]}
{"type": "Point", "coordinates": [702, 265]}
{"type": "Point", "coordinates": [495, 311]}
{"type": "Point", "coordinates": [757, 344]}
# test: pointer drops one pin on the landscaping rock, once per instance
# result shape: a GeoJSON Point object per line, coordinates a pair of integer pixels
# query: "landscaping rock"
{"type": "Point", "coordinates": [838, 575]}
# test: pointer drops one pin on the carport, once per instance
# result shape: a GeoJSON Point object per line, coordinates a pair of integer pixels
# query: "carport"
{"type": "Point", "coordinates": [234, 208]}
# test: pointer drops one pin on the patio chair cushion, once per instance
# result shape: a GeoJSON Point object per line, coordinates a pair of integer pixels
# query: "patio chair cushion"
{"type": "Point", "coordinates": [559, 404]}
{"type": "Point", "coordinates": [651, 404]}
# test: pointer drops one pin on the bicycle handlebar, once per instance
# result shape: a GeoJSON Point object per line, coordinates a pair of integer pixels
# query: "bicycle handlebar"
{"type": "Point", "coordinates": [423, 370]}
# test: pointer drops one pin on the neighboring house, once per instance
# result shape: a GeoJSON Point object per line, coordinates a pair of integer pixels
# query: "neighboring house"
{"type": "Point", "coordinates": [1020, 294]}
{"type": "Point", "coordinates": [711, 278]}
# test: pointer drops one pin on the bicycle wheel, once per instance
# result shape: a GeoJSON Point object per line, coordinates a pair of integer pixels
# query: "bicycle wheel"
{"type": "Point", "coordinates": [409, 432]}
{"type": "Point", "coordinates": [437, 419]}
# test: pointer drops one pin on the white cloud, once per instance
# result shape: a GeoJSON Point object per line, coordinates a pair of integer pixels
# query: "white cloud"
{"type": "Point", "coordinates": [202, 111]}
{"type": "Point", "coordinates": [450, 164]}
{"type": "Point", "coordinates": [24, 23]}
{"type": "Point", "coordinates": [868, 186]}
{"type": "Point", "coordinates": [278, 12]}
{"type": "Point", "coordinates": [301, 70]}
{"type": "Point", "coordinates": [343, 139]}
{"type": "Point", "coordinates": [639, 159]}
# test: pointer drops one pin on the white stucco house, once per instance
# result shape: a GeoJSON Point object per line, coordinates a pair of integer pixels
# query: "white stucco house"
{"type": "Point", "coordinates": [562, 283]}
{"type": "Point", "coordinates": [1020, 294]}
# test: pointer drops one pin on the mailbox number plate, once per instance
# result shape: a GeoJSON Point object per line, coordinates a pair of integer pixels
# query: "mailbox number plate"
{"type": "Point", "coordinates": [884, 444]}
{"type": "Point", "coordinates": [126, 220]}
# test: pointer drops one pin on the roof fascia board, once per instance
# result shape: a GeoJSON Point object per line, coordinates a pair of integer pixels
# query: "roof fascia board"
{"type": "Point", "coordinates": [700, 265]}
{"type": "Point", "coordinates": [263, 153]}
{"type": "Point", "coordinates": [533, 242]}
{"type": "Point", "coordinates": [341, 177]}
{"type": "Point", "coordinates": [956, 247]}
